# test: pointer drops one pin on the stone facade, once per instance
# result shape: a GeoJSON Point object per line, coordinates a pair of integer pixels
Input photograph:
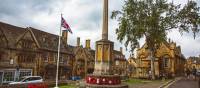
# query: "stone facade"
{"type": "Point", "coordinates": [29, 51]}
{"type": "Point", "coordinates": [193, 62]}
{"type": "Point", "coordinates": [120, 63]}
{"type": "Point", "coordinates": [84, 59]}
{"type": "Point", "coordinates": [169, 61]}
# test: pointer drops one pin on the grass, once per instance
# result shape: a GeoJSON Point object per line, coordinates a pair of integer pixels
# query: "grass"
{"type": "Point", "coordinates": [67, 86]}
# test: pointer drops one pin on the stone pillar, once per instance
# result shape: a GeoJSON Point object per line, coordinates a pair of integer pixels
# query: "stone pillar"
{"type": "Point", "coordinates": [103, 76]}
{"type": "Point", "coordinates": [103, 57]}
{"type": "Point", "coordinates": [105, 21]}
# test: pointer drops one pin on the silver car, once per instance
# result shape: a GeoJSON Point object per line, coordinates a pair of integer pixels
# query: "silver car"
{"type": "Point", "coordinates": [29, 79]}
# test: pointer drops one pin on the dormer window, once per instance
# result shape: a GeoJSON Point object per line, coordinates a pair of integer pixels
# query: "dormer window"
{"type": "Point", "coordinates": [43, 39]}
{"type": "Point", "coordinates": [11, 61]}
{"type": "Point", "coordinates": [27, 43]}
{"type": "Point", "coordinates": [3, 41]}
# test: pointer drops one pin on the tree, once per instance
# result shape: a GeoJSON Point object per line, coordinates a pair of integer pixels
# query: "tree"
{"type": "Point", "coordinates": [152, 20]}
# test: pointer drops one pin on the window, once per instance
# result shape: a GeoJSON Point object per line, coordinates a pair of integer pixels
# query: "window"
{"type": "Point", "coordinates": [117, 62]}
{"type": "Point", "coordinates": [11, 61]}
{"type": "Point", "coordinates": [45, 57]}
{"type": "Point", "coordinates": [61, 59]}
{"type": "Point", "coordinates": [26, 58]}
{"type": "Point", "coordinates": [51, 58]}
{"type": "Point", "coordinates": [36, 78]}
{"type": "Point", "coordinates": [55, 57]}
{"type": "Point", "coordinates": [3, 41]}
{"type": "Point", "coordinates": [166, 62]}
{"type": "Point", "coordinates": [9, 76]}
{"type": "Point", "coordinates": [25, 73]}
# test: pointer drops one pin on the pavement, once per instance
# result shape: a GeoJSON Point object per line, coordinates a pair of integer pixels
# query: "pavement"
{"type": "Point", "coordinates": [184, 83]}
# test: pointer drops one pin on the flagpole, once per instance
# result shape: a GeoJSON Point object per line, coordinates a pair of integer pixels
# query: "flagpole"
{"type": "Point", "coordinates": [58, 56]}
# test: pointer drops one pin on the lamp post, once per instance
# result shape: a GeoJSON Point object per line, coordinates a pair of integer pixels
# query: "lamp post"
{"type": "Point", "coordinates": [17, 73]}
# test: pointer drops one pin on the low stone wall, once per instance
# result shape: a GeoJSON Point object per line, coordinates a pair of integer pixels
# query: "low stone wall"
{"type": "Point", "coordinates": [33, 85]}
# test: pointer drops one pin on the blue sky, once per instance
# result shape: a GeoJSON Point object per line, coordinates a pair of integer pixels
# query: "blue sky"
{"type": "Point", "coordinates": [84, 18]}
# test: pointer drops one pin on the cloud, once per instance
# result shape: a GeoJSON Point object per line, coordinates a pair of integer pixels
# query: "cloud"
{"type": "Point", "coordinates": [83, 16]}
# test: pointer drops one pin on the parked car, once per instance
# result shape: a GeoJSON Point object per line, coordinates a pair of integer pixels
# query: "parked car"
{"type": "Point", "coordinates": [29, 79]}
{"type": "Point", "coordinates": [198, 73]}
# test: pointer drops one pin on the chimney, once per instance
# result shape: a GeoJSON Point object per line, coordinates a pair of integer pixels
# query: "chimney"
{"type": "Point", "coordinates": [169, 40]}
{"type": "Point", "coordinates": [65, 36]}
{"type": "Point", "coordinates": [78, 41]}
{"type": "Point", "coordinates": [87, 44]}
{"type": "Point", "coordinates": [121, 49]}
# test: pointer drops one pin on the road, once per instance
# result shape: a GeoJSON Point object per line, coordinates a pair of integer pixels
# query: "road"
{"type": "Point", "coordinates": [185, 83]}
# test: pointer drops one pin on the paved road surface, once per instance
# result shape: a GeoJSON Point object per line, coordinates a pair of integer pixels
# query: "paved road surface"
{"type": "Point", "coordinates": [185, 83]}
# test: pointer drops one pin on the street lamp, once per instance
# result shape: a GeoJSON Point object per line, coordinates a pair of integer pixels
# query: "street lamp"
{"type": "Point", "coordinates": [17, 73]}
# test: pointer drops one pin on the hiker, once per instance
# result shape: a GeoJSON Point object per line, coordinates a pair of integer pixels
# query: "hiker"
{"type": "Point", "coordinates": [187, 73]}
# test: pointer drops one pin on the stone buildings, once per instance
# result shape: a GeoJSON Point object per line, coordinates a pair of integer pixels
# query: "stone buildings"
{"type": "Point", "coordinates": [169, 61]}
{"type": "Point", "coordinates": [29, 51]}
{"type": "Point", "coordinates": [120, 63]}
{"type": "Point", "coordinates": [193, 62]}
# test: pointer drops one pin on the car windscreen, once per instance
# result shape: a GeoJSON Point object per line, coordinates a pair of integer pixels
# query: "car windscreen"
{"type": "Point", "coordinates": [21, 79]}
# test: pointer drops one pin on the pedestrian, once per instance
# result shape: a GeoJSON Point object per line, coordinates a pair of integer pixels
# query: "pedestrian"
{"type": "Point", "coordinates": [194, 71]}
{"type": "Point", "coordinates": [149, 73]}
{"type": "Point", "coordinates": [187, 73]}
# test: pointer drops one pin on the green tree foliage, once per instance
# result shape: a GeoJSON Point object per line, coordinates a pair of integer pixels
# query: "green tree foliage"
{"type": "Point", "coordinates": [152, 20]}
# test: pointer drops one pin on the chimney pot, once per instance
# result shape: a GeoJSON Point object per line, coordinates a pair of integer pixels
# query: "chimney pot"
{"type": "Point", "coordinates": [87, 44]}
{"type": "Point", "coordinates": [65, 36]}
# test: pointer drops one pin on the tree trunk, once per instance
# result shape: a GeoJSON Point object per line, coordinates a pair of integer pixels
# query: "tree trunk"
{"type": "Point", "coordinates": [152, 65]}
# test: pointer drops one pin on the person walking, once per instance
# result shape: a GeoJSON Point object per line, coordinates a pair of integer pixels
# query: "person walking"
{"type": "Point", "coordinates": [194, 71]}
{"type": "Point", "coordinates": [187, 73]}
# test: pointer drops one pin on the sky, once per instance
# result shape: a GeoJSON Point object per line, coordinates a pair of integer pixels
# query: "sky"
{"type": "Point", "coordinates": [84, 18]}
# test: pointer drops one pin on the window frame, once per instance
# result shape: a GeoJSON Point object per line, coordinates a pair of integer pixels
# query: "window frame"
{"type": "Point", "coordinates": [166, 62]}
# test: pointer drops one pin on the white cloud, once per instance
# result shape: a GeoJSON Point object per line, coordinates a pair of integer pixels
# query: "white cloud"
{"type": "Point", "coordinates": [83, 16]}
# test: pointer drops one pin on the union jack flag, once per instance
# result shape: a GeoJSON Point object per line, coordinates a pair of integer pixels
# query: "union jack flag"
{"type": "Point", "coordinates": [65, 25]}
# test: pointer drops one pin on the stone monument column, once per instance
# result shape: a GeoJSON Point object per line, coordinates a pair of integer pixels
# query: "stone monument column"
{"type": "Point", "coordinates": [103, 75]}
{"type": "Point", "coordinates": [104, 48]}
{"type": "Point", "coordinates": [105, 21]}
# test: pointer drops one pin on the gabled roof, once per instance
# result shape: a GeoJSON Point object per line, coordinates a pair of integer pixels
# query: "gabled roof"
{"type": "Point", "coordinates": [43, 39]}
{"type": "Point", "coordinates": [194, 60]}
{"type": "Point", "coordinates": [49, 41]}
{"type": "Point", "coordinates": [89, 54]}
{"type": "Point", "coordinates": [12, 33]}
{"type": "Point", "coordinates": [118, 53]}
